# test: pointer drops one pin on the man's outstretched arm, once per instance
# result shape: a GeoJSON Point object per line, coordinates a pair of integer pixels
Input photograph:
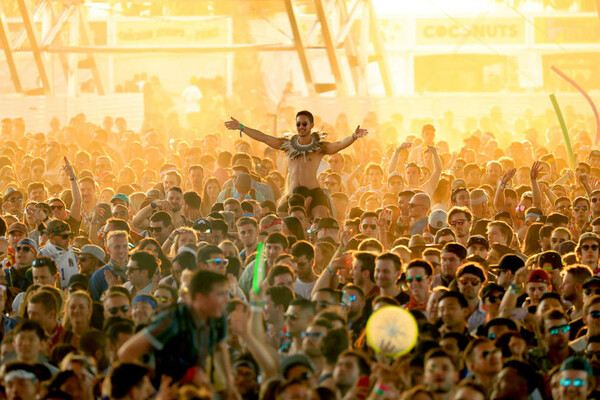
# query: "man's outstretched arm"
{"type": "Point", "coordinates": [269, 140]}
{"type": "Point", "coordinates": [332, 148]}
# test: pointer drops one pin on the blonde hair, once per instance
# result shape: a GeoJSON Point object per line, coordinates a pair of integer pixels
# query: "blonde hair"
{"type": "Point", "coordinates": [115, 234]}
{"type": "Point", "coordinates": [83, 295]}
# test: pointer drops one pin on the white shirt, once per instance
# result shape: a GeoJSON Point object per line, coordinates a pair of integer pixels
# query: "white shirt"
{"type": "Point", "coordinates": [303, 289]}
{"type": "Point", "coordinates": [66, 262]}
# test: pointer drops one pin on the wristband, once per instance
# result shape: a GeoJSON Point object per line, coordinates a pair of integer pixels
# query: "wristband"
{"type": "Point", "coordinates": [514, 288]}
{"type": "Point", "coordinates": [329, 270]}
{"type": "Point", "coordinates": [502, 185]}
{"type": "Point", "coordinates": [381, 389]}
{"type": "Point", "coordinates": [241, 129]}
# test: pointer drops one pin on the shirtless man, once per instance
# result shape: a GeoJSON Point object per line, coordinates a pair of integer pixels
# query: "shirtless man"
{"type": "Point", "coordinates": [304, 152]}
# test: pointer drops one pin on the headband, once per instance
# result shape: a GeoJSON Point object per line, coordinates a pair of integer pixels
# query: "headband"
{"type": "Point", "coordinates": [145, 298]}
{"type": "Point", "coordinates": [19, 374]}
{"type": "Point", "coordinates": [537, 216]}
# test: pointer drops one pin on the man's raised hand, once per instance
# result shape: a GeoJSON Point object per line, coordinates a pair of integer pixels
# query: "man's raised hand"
{"type": "Point", "coordinates": [233, 124]}
{"type": "Point", "coordinates": [359, 133]}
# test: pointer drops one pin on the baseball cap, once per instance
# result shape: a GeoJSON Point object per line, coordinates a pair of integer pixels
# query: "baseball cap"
{"type": "Point", "coordinates": [56, 227]}
{"type": "Point", "coordinates": [471, 269]}
{"type": "Point", "coordinates": [489, 288]}
{"type": "Point", "coordinates": [246, 361]}
{"type": "Point", "coordinates": [458, 183]}
{"type": "Point", "coordinates": [478, 239]}
{"type": "Point", "coordinates": [78, 279]}
{"type": "Point", "coordinates": [538, 276]}
{"type": "Point", "coordinates": [328, 223]}
{"type": "Point", "coordinates": [577, 363]}
{"type": "Point", "coordinates": [17, 227]}
{"type": "Point", "coordinates": [10, 191]}
{"type": "Point", "coordinates": [510, 262]}
{"type": "Point", "coordinates": [120, 196]}
{"type": "Point", "coordinates": [593, 281]}
{"type": "Point", "coordinates": [589, 235]}
{"type": "Point", "coordinates": [294, 360]}
{"type": "Point", "coordinates": [28, 242]}
{"type": "Point", "coordinates": [551, 257]}
{"type": "Point", "coordinates": [202, 225]}
{"type": "Point", "coordinates": [94, 251]}
{"type": "Point", "coordinates": [456, 248]}
{"type": "Point", "coordinates": [478, 197]}
{"type": "Point", "coordinates": [437, 219]}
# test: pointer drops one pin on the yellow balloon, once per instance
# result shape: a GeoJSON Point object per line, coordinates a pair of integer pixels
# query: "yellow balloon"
{"type": "Point", "coordinates": [393, 325]}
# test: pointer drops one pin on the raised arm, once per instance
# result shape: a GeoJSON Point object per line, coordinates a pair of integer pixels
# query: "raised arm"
{"type": "Point", "coordinates": [535, 187]}
{"type": "Point", "coordinates": [499, 199]}
{"type": "Point", "coordinates": [332, 148]}
{"type": "Point", "coordinates": [75, 209]}
{"type": "Point", "coordinates": [431, 184]}
{"type": "Point", "coordinates": [271, 141]}
{"type": "Point", "coordinates": [400, 155]}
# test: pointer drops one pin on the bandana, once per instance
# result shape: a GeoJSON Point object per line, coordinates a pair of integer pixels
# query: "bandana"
{"type": "Point", "coordinates": [19, 374]}
{"type": "Point", "coordinates": [147, 299]}
{"type": "Point", "coordinates": [270, 224]}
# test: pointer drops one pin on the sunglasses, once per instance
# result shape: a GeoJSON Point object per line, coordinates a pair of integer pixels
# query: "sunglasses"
{"type": "Point", "coordinates": [312, 335]}
{"type": "Point", "coordinates": [369, 226]}
{"type": "Point", "coordinates": [57, 207]}
{"type": "Point", "coordinates": [592, 354]}
{"type": "Point", "coordinates": [469, 281]}
{"type": "Point", "coordinates": [582, 208]}
{"type": "Point", "coordinates": [491, 336]}
{"type": "Point", "coordinates": [312, 231]}
{"type": "Point", "coordinates": [298, 124]}
{"type": "Point", "coordinates": [572, 382]}
{"type": "Point", "coordinates": [417, 278]}
{"type": "Point", "coordinates": [520, 208]}
{"type": "Point", "coordinates": [163, 299]}
{"type": "Point", "coordinates": [557, 329]}
{"type": "Point", "coordinates": [39, 263]}
{"type": "Point", "coordinates": [564, 207]}
{"type": "Point", "coordinates": [293, 317]}
{"type": "Point", "coordinates": [24, 249]}
{"type": "Point", "coordinates": [587, 247]}
{"type": "Point", "coordinates": [492, 299]}
{"type": "Point", "coordinates": [458, 222]}
{"type": "Point", "coordinates": [595, 314]}
{"type": "Point", "coordinates": [218, 261]}
{"type": "Point", "coordinates": [590, 291]}
{"type": "Point", "coordinates": [116, 310]}
{"type": "Point", "coordinates": [15, 200]}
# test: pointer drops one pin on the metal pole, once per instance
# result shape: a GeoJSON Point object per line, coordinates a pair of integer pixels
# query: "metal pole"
{"type": "Point", "coordinates": [37, 54]}
{"type": "Point", "coordinates": [12, 67]}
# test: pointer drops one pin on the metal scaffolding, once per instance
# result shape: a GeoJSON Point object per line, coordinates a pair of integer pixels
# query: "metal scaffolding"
{"type": "Point", "coordinates": [347, 44]}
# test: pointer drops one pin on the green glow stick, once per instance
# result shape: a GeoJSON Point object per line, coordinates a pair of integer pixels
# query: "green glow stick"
{"type": "Point", "coordinates": [563, 127]}
{"type": "Point", "coordinates": [259, 269]}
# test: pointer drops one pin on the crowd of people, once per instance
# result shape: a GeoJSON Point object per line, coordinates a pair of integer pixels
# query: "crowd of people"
{"type": "Point", "coordinates": [129, 261]}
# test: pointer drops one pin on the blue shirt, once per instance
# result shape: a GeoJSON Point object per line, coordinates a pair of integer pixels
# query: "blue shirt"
{"type": "Point", "coordinates": [98, 284]}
